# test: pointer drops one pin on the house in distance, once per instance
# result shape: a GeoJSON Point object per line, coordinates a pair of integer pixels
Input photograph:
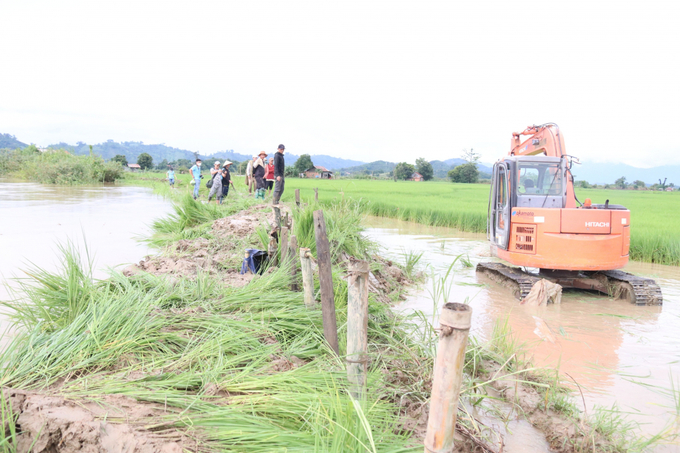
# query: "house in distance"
{"type": "Point", "coordinates": [416, 177]}
{"type": "Point", "coordinates": [317, 171]}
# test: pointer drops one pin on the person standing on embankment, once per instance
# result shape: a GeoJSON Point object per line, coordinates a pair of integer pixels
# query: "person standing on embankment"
{"type": "Point", "coordinates": [269, 175]}
{"type": "Point", "coordinates": [249, 175]}
{"type": "Point", "coordinates": [279, 170]}
{"type": "Point", "coordinates": [226, 180]}
{"type": "Point", "coordinates": [196, 173]}
{"type": "Point", "coordinates": [258, 173]}
{"type": "Point", "coordinates": [171, 177]}
{"type": "Point", "coordinates": [216, 188]}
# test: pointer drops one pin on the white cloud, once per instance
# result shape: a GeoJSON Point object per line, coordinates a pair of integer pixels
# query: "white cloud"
{"type": "Point", "coordinates": [364, 80]}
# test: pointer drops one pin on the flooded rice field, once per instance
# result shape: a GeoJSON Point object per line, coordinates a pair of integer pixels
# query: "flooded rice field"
{"type": "Point", "coordinates": [622, 355]}
{"type": "Point", "coordinates": [36, 218]}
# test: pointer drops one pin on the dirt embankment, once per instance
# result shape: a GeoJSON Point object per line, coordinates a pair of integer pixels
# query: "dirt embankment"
{"type": "Point", "coordinates": [47, 423]}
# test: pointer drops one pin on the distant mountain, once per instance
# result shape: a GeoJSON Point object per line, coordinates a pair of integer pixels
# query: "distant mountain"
{"type": "Point", "coordinates": [8, 141]}
{"type": "Point", "coordinates": [379, 166]}
{"type": "Point", "coordinates": [330, 162]}
{"type": "Point", "coordinates": [605, 173]}
{"type": "Point", "coordinates": [131, 150]}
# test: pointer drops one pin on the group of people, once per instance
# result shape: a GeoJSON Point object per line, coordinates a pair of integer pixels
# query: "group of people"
{"type": "Point", "coordinates": [260, 172]}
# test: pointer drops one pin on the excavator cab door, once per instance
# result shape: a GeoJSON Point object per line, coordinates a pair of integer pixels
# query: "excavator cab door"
{"type": "Point", "coordinates": [498, 227]}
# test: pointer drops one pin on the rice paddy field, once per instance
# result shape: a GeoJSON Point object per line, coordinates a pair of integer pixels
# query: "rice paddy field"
{"type": "Point", "coordinates": [655, 216]}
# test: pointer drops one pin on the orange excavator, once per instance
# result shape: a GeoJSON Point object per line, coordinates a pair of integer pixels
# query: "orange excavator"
{"type": "Point", "coordinates": [536, 221]}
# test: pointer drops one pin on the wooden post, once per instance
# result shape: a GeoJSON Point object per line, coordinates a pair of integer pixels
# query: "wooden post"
{"type": "Point", "coordinates": [286, 222]}
{"type": "Point", "coordinates": [316, 195]}
{"type": "Point", "coordinates": [284, 244]}
{"type": "Point", "coordinates": [307, 277]}
{"type": "Point", "coordinates": [292, 256]}
{"type": "Point", "coordinates": [297, 197]}
{"type": "Point", "coordinates": [454, 322]}
{"type": "Point", "coordinates": [323, 257]}
{"type": "Point", "coordinates": [357, 326]}
{"type": "Point", "coordinates": [277, 218]}
{"type": "Point", "coordinates": [273, 246]}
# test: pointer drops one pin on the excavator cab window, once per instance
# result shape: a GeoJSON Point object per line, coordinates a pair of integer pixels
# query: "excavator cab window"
{"type": "Point", "coordinates": [540, 179]}
{"type": "Point", "coordinates": [540, 184]}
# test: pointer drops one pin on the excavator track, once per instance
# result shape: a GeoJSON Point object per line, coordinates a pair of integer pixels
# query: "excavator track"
{"type": "Point", "coordinates": [615, 283]}
{"type": "Point", "coordinates": [505, 274]}
{"type": "Point", "coordinates": [644, 291]}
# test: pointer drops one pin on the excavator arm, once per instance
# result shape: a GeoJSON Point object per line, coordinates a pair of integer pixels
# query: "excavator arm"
{"type": "Point", "coordinates": [544, 139]}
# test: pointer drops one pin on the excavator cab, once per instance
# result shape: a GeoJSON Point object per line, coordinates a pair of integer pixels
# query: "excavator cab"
{"type": "Point", "coordinates": [524, 182]}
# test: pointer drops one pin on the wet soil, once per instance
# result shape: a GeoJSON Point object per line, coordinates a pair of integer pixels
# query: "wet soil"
{"type": "Point", "coordinates": [113, 424]}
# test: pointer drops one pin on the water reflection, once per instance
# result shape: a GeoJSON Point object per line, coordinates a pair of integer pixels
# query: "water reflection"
{"type": "Point", "coordinates": [604, 344]}
{"type": "Point", "coordinates": [34, 218]}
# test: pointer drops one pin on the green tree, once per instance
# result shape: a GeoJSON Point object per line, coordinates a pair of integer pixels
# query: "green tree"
{"type": "Point", "coordinates": [145, 161]}
{"type": "Point", "coordinates": [163, 165]}
{"type": "Point", "coordinates": [303, 164]}
{"type": "Point", "coordinates": [424, 168]}
{"type": "Point", "coordinates": [621, 182]}
{"type": "Point", "coordinates": [465, 173]}
{"type": "Point", "coordinates": [121, 159]}
{"type": "Point", "coordinates": [471, 156]}
{"type": "Point", "coordinates": [404, 171]}
{"type": "Point", "coordinates": [290, 171]}
{"type": "Point", "coordinates": [637, 184]}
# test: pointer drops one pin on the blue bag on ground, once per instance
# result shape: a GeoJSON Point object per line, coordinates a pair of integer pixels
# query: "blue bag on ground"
{"type": "Point", "coordinates": [254, 261]}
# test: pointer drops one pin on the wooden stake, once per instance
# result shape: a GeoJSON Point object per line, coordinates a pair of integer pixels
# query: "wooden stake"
{"type": "Point", "coordinates": [284, 245]}
{"type": "Point", "coordinates": [454, 322]}
{"type": "Point", "coordinates": [307, 277]}
{"type": "Point", "coordinates": [323, 258]}
{"type": "Point", "coordinates": [273, 246]}
{"type": "Point", "coordinates": [297, 197]}
{"type": "Point", "coordinates": [292, 256]}
{"type": "Point", "coordinates": [357, 326]}
{"type": "Point", "coordinates": [277, 218]}
{"type": "Point", "coordinates": [316, 195]}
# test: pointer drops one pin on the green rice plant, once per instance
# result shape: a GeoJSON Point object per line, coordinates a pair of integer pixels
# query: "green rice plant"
{"type": "Point", "coordinates": [411, 260]}
{"type": "Point", "coordinates": [343, 228]}
{"type": "Point", "coordinates": [54, 299]}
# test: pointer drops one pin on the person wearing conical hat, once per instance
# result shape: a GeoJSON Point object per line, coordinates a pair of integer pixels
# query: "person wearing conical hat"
{"type": "Point", "coordinates": [258, 174]}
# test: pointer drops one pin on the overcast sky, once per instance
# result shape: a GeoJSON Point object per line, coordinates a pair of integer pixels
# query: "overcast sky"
{"type": "Point", "coordinates": [391, 80]}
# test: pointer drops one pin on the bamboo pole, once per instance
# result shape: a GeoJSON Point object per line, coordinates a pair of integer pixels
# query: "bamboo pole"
{"type": "Point", "coordinates": [307, 277]}
{"type": "Point", "coordinates": [323, 257]}
{"type": "Point", "coordinates": [297, 197]}
{"type": "Point", "coordinates": [284, 245]}
{"type": "Point", "coordinates": [292, 256]}
{"type": "Point", "coordinates": [357, 326]}
{"type": "Point", "coordinates": [454, 322]}
{"type": "Point", "coordinates": [316, 195]}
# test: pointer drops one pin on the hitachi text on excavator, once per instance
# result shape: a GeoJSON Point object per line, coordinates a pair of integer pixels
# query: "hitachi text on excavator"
{"type": "Point", "coordinates": [535, 221]}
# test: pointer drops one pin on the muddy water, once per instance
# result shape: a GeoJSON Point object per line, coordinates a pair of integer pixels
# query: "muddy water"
{"type": "Point", "coordinates": [618, 353]}
{"type": "Point", "coordinates": [35, 218]}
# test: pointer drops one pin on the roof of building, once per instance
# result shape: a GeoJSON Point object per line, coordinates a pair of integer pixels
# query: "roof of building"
{"type": "Point", "coordinates": [134, 166]}
{"type": "Point", "coordinates": [416, 175]}
{"type": "Point", "coordinates": [318, 167]}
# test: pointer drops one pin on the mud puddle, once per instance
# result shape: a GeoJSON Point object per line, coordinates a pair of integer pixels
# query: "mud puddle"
{"type": "Point", "coordinates": [620, 354]}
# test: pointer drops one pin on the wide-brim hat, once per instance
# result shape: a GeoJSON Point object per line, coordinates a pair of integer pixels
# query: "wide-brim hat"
{"type": "Point", "coordinates": [261, 153]}
{"type": "Point", "coordinates": [227, 163]}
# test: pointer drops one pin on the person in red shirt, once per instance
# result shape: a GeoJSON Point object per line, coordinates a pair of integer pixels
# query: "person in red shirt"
{"type": "Point", "coordinates": [269, 175]}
